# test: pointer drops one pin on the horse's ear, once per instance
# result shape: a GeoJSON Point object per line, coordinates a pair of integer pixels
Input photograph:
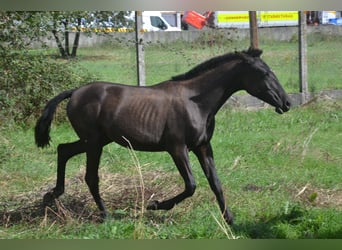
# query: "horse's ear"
{"type": "Point", "coordinates": [254, 52]}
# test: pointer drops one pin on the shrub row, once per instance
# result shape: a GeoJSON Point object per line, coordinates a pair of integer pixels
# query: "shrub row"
{"type": "Point", "coordinates": [28, 80]}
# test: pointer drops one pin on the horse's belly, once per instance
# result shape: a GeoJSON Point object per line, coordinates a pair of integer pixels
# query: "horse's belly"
{"type": "Point", "coordinates": [141, 134]}
{"type": "Point", "coordinates": [143, 140]}
{"type": "Point", "coordinates": [137, 117]}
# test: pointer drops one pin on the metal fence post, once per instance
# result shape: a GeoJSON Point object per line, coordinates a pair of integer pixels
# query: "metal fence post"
{"type": "Point", "coordinates": [303, 66]}
{"type": "Point", "coordinates": [253, 29]}
{"type": "Point", "coordinates": [139, 39]}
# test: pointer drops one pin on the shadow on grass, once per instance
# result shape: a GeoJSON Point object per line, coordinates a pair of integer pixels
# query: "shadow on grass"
{"type": "Point", "coordinates": [78, 207]}
{"type": "Point", "coordinates": [36, 212]}
{"type": "Point", "coordinates": [297, 223]}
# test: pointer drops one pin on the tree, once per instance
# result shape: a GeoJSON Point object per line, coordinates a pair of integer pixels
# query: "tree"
{"type": "Point", "coordinates": [20, 29]}
{"type": "Point", "coordinates": [87, 22]}
{"type": "Point", "coordinates": [61, 23]}
{"type": "Point", "coordinates": [27, 79]}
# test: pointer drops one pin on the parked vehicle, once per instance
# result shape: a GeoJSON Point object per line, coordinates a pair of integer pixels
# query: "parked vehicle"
{"type": "Point", "coordinates": [240, 19]}
{"type": "Point", "coordinates": [154, 21]}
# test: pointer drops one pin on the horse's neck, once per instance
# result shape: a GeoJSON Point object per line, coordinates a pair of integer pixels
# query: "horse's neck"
{"type": "Point", "coordinates": [212, 89]}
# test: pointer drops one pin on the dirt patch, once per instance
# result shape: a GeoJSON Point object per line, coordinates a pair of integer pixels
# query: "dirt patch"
{"type": "Point", "coordinates": [123, 195]}
{"type": "Point", "coordinates": [318, 197]}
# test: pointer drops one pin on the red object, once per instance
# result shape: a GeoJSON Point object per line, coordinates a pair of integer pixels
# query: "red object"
{"type": "Point", "coordinates": [195, 19]}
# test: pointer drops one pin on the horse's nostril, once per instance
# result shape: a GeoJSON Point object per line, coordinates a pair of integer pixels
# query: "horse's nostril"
{"type": "Point", "coordinates": [288, 104]}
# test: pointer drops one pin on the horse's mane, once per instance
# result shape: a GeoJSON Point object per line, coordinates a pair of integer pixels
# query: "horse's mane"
{"type": "Point", "coordinates": [215, 61]}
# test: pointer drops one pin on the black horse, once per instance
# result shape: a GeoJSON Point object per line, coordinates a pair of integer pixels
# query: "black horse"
{"type": "Point", "coordinates": [176, 116]}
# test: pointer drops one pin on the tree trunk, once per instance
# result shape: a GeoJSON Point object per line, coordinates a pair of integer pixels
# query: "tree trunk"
{"type": "Point", "coordinates": [77, 38]}
{"type": "Point", "coordinates": [59, 44]}
{"type": "Point", "coordinates": [66, 37]}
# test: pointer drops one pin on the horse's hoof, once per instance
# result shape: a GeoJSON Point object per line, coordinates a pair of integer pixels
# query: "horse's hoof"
{"type": "Point", "coordinates": [229, 219]}
{"type": "Point", "coordinates": [48, 198]}
{"type": "Point", "coordinates": [153, 205]}
{"type": "Point", "coordinates": [104, 215]}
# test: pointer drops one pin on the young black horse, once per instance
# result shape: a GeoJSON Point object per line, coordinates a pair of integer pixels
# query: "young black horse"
{"type": "Point", "coordinates": [176, 116]}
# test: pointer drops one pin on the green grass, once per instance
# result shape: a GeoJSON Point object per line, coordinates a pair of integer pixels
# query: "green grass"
{"type": "Point", "coordinates": [281, 174]}
{"type": "Point", "coordinates": [116, 62]}
{"type": "Point", "coordinates": [323, 63]}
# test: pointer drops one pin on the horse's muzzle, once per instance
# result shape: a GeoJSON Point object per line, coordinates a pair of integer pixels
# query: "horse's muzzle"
{"type": "Point", "coordinates": [286, 107]}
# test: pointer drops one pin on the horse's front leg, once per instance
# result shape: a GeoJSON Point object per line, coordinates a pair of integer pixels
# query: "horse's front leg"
{"type": "Point", "coordinates": [204, 154]}
{"type": "Point", "coordinates": [181, 159]}
{"type": "Point", "coordinates": [64, 153]}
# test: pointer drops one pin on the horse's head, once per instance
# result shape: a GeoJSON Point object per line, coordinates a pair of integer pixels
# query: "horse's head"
{"type": "Point", "coordinates": [261, 82]}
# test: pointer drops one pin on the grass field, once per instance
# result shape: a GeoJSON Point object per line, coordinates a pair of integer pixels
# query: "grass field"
{"type": "Point", "coordinates": [281, 174]}
{"type": "Point", "coordinates": [116, 62]}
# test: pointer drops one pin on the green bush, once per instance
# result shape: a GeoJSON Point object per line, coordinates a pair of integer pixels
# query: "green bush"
{"type": "Point", "coordinates": [28, 81]}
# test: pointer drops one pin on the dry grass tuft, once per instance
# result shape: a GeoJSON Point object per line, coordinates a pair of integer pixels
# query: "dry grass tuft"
{"type": "Point", "coordinates": [121, 194]}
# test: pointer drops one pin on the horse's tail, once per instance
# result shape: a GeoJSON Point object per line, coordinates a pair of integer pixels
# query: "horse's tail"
{"type": "Point", "coordinates": [42, 129]}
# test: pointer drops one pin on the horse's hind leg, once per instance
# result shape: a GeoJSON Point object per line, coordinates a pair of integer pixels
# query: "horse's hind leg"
{"type": "Point", "coordinates": [64, 152]}
{"type": "Point", "coordinates": [92, 178]}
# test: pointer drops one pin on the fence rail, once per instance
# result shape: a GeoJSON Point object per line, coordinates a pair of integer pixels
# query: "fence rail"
{"type": "Point", "coordinates": [274, 33]}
